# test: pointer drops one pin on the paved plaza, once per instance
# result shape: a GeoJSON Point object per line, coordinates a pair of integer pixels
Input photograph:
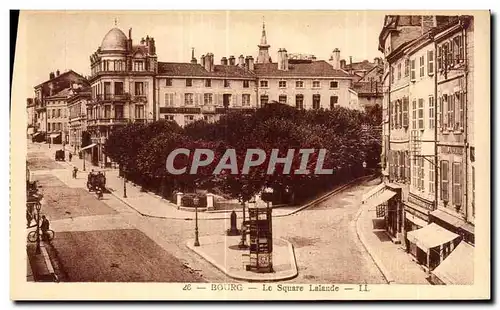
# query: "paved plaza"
{"type": "Point", "coordinates": [145, 238]}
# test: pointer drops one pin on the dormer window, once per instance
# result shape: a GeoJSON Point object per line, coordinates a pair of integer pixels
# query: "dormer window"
{"type": "Point", "coordinates": [138, 66]}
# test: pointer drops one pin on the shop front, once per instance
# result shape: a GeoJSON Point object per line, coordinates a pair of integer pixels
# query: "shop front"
{"type": "Point", "coordinates": [386, 200]}
{"type": "Point", "coordinates": [434, 243]}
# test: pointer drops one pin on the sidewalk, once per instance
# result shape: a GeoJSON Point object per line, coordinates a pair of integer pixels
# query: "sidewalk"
{"type": "Point", "coordinates": [39, 266]}
{"type": "Point", "coordinates": [151, 205]}
{"type": "Point", "coordinates": [395, 264]}
{"type": "Point", "coordinates": [223, 253]}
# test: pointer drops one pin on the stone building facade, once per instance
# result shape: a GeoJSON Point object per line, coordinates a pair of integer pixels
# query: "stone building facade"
{"type": "Point", "coordinates": [427, 145]}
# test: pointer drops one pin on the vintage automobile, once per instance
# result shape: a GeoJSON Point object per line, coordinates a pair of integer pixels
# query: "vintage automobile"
{"type": "Point", "coordinates": [96, 181]}
{"type": "Point", "coordinates": [59, 155]}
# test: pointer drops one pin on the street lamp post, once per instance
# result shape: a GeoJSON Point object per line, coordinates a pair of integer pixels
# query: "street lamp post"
{"type": "Point", "coordinates": [243, 242]}
{"type": "Point", "coordinates": [83, 158]}
{"type": "Point", "coordinates": [124, 184]}
{"type": "Point", "coordinates": [38, 207]}
{"type": "Point", "coordinates": [196, 237]}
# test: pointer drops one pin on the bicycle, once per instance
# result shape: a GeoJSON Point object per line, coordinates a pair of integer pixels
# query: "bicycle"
{"type": "Point", "coordinates": [48, 236]}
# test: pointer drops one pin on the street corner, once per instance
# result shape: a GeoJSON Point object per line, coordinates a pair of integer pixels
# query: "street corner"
{"type": "Point", "coordinates": [223, 253]}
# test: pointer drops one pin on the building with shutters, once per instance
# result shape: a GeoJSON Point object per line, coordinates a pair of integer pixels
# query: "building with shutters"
{"type": "Point", "coordinates": [191, 91]}
{"type": "Point", "coordinates": [57, 82]}
{"type": "Point", "coordinates": [428, 193]}
{"type": "Point", "coordinates": [77, 102]}
{"type": "Point", "coordinates": [123, 87]}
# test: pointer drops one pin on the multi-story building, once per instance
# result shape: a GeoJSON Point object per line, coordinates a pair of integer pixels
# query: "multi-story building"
{"type": "Point", "coordinates": [57, 117]}
{"type": "Point", "coordinates": [56, 83]}
{"type": "Point", "coordinates": [425, 195]}
{"type": "Point", "coordinates": [30, 113]}
{"type": "Point", "coordinates": [304, 83]}
{"type": "Point", "coordinates": [192, 91]}
{"type": "Point", "coordinates": [123, 87]}
{"type": "Point", "coordinates": [455, 115]}
{"type": "Point", "coordinates": [77, 101]}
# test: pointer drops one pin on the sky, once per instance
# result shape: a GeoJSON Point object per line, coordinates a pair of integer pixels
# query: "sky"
{"type": "Point", "coordinates": [51, 40]}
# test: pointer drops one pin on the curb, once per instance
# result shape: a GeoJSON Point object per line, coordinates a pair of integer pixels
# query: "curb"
{"type": "Point", "coordinates": [50, 268]}
{"type": "Point", "coordinates": [378, 262]}
{"type": "Point", "coordinates": [291, 252]}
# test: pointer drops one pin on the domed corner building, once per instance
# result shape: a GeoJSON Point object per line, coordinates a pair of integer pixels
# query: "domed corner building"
{"type": "Point", "coordinates": [122, 88]}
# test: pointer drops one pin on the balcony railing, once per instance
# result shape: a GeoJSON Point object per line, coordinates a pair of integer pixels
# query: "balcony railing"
{"type": "Point", "coordinates": [107, 121]}
{"type": "Point", "coordinates": [112, 97]}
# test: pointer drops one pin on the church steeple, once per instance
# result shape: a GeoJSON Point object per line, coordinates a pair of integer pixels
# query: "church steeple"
{"type": "Point", "coordinates": [263, 39]}
{"type": "Point", "coordinates": [263, 56]}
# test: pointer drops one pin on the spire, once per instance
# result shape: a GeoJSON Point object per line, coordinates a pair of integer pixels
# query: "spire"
{"type": "Point", "coordinates": [263, 39]}
{"type": "Point", "coordinates": [263, 56]}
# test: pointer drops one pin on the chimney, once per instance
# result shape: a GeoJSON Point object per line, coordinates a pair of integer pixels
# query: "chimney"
{"type": "Point", "coordinates": [232, 60]}
{"type": "Point", "coordinates": [350, 60]}
{"type": "Point", "coordinates": [129, 41]}
{"type": "Point", "coordinates": [246, 62]}
{"type": "Point", "coordinates": [280, 59]}
{"type": "Point", "coordinates": [209, 62]}
{"type": "Point", "coordinates": [285, 59]}
{"type": "Point", "coordinates": [202, 61]}
{"type": "Point", "coordinates": [342, 64]}
{"type": "Point", "coordinates": [57, 72]}
{"type": "Point", "coordinates": [251, 66]}
{"type": "Point", "coordinates": [142, 41]}
{"type": "Point", "coordinates": [241, 61]}
{"type": "Point", "coordinates": [223, 61]}
{"type": "Point", "coordinates": [193, 59]}
{"type": "Point", "coordinates": [51, 75]}
{"type": "Point", "coordinates": [336, 58]}
{"type": "Point", "coordinates": [428, 22]}
{"type": "Point", "coordinates": [151, 45]}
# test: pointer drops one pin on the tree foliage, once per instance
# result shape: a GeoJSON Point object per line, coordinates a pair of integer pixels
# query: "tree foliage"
{"type": "Point", "coordinates": [143, 149]}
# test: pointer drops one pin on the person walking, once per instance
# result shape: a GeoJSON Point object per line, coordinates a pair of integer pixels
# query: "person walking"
{"type": "Point", "coordinates": [70, 156]}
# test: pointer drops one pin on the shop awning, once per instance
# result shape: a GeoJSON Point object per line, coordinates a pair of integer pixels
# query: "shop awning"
{"type": "Point", "coordinates": [88, 147]}
{"type": "Point", "coordinates": [36, 134]}
{"type": "Point", "coordinates": [448, 218]}
{"type": "Point", "coordinates": [458, 267]}
{"type": "Point", "coordinates": [415, 220]}
{"type": "Point", "coordinates": [380, 198]}
{"type": "Point", "coordinates": [430, 236]}
{"type": "Point", "coordinates": [31, 130]}
{"type": "Point", "coordinates": [54, 135]}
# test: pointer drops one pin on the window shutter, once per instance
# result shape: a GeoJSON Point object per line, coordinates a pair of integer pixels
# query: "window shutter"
{"type": "Point", "coordinates": [407, 166]}
{"type": "Point", "coordinates": [400, 113]}
{"type": "Point", "coordinates": [405, 112]}
{"type": "Point", "coordinates": [461, 53]}
{"type": "Point", "coordinates": [430, 62]}
{"type": "Point", "coordinates": [391, 119]}
{"type": "Point", "coordinates": [444, 180]}
{"type": "Point", "coordinates": [412, 77]}
{"type": "Point", "coordinates": [462, 110]}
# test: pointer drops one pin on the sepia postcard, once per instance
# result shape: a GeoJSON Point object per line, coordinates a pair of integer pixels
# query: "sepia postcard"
{"type": "Point", "coordinates": [251, 155]}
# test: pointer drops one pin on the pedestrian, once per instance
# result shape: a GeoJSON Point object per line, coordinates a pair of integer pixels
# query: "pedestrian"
{"type": "Point", "coordinates": [44, 227]}
{"type": "Point", "coordinates": [70, 156]}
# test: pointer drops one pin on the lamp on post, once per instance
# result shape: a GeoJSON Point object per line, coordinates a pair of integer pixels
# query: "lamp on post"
{"type": "Point", "coordinates": [124, 184]}
{"type": "Point", "coordinates": [83, 158]}
{"type": "Point", "coordinates": [196, 237]}
{"type": "Point", "coordinates": [243, 243]}
{"type": "Point", "coordinates": [38, 207]}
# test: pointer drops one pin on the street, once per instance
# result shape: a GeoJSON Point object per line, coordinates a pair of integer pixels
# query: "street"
{"type": "Point", "coordinates": [108, 241]}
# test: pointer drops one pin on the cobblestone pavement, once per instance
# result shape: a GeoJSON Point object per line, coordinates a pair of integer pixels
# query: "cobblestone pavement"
{"type": "Point", "coordinates": [326, 245]}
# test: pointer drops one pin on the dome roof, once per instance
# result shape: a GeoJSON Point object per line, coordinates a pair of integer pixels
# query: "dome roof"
{"type": "Point", "coordinates": [114, 40]}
